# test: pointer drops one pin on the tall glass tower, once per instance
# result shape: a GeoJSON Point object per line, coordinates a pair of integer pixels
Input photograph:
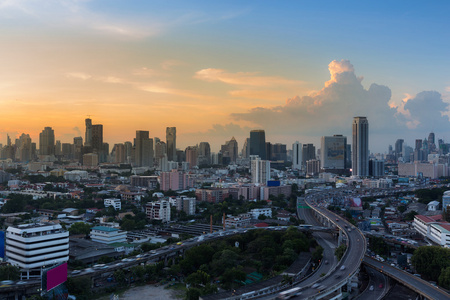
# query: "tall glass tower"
{"type": "Point", "coordinates": [360, 147]}
{"type": "Point", "coordinates": [258, 143]}
{"type": "Point", "coordinates": [171, 139]}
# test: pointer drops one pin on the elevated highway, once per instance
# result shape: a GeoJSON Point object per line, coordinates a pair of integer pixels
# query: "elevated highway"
{"type": "Point", "coordinates": [415, 283]}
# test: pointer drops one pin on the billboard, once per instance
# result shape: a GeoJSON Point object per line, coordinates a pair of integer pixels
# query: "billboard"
{"type": "Point", "coordinates": [2, 245]}
{"type": "Point", "coordinates": [56, 276]}
{"type": "Point", "coordinates": [355, 202]}
{"type": "Point", "coordinates": [273, 183]}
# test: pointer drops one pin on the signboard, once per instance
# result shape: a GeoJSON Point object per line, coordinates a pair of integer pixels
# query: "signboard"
{"type": "Point", "coordinates": [55, 276]}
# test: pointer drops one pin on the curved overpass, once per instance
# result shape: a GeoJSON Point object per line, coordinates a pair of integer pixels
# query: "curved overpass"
{"type": "Point", "coordinates": [415, 283]}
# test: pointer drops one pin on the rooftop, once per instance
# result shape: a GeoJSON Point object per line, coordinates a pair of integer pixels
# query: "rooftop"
{"type": "Point", "coordinates": [104, 228]}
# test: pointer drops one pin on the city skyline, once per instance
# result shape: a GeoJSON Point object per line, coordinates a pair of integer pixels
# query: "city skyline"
{"type": "Point", "coordinates": [218, 70]}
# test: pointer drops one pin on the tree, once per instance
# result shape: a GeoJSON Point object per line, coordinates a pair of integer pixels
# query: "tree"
{"type": "Point", "coordinates": [80, 228]}
{"type": "Point", "coordinates": [339, 252]}
{"type": "Point", "coordinates": [430, 260]}
{"type": "Point", "coordinates": [193, 294]}
{"type": "Point", "coordinates": [119, 275]}
{"type": "Point", "coordinates": [9, 272]}
{"type": "Point", "coordinates": [410, 216]}
{"type": "Point", "coordinates": [444, 278]}
{"type": "Point", "coordinates": [79, 286]}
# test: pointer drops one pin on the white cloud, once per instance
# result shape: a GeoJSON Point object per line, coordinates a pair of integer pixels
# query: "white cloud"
{"type": "Point", "coordinates": [243, 78]}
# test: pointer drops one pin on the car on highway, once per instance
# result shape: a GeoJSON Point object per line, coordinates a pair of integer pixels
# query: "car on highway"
{"type": "Point", "coordinates": [6, 282]}
{"type": "Point", "coordinates": [380, 285]}
{"type": "Point", "coordinates": [342, 268]}
{"type": "Point", "coordinates": [371, 288]}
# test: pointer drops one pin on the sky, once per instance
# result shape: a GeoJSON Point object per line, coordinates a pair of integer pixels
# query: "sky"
{"type": "Point", "coordinates": [217, 69]}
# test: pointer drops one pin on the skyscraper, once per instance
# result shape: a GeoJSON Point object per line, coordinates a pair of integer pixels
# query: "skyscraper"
{"type": "Point", "coordinates": [260, 170]}
{"type": "Point", "coordinates": [333, 152]}
{"type": "Point", "coordinates": [399, 148]}
{"type": "Point", "coordinates": [230, 149]}
{"type": "Point", "coordinates": [204, 153]}
{"type": "Point", "coordinates": [47, 141]}
{"type": "Point", "coordinates": [88, 134]}
{"type": "Point", "coordinates": [296, 156]}
{"type": "Point", "coordinates": [171, 141]}
{"type": "Point", "coordinates": [143, 154]}
{"type": "Point", "coordinates": [360, 147]}
{"type": "Point", "coordinates": [258, 143]}
{"type": "Point", "coordinates": [308, 153]}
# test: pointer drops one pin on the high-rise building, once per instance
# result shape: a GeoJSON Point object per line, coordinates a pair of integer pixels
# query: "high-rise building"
{"type": "Point", "coordinates": [88, 134]}
{"type": "Point", "coordinates": [171, 141]}
{"type": "Point", "coordinates": [78, 148]}
{"type": "Point", "coordinates": [191, 156]}
{"type": "Point", "coordinates": [360, 147]}
{"type": "Point", "coordinates": [204, 154]}
{"type": "Point", "coordinates": [258, 143]}
{"type": "Point", "coordinates": [159, 210]}
{"type": "Point", "coordinates": [97, 138]}
{"type": "Point", "coordinates": [143, 152]}
{"type": "Point", "coordinates": [260, 170]}
{"type": "Point", "coordinates": [246, 148]}
{"type": "Point", "coordinates": [398, 148]}
{"type": "Point", "coordinates": [24, 151]}
{"type": "Point", "coordinates": [297, 156]}
{"type": "Point", "coordinates": [58, 149]}
{"type": "Point", "coordinates": [230, 149]}
{"type": "Point", "coordinates": [308, 153]}
{"type": "Point", "coordinates": [376, 168]}
{"type": "Point", "coordinates": [119, 153]}
{"type": "Point", "coordinates": [333, 152]}
{"type": "Point", "coordinates": [47, 141]}
{"type": "Point", "coordinates": [33, 247]}
{"type": "Point", "coordinates": [418, 151]}
{"type": "Point", "coordinates": [278, 152]}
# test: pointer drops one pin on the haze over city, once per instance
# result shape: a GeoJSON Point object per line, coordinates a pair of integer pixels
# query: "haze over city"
{"type": "Point", "coordinates": [216, 70]}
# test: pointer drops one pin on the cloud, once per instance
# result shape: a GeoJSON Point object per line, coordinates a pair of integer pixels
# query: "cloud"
{"type": "Point", "coordinates": [328, 111]}
{"type": "Point", "coordinates": [427, 111]}
{"type": "Point", "coordinates": [78, 75]}
{"type": "Point", "coordinates": [77, 131]}
{"type": "Point", "coordinates": [243, 78]}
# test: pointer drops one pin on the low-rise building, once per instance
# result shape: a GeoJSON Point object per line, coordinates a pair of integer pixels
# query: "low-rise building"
{"type": "Point", "coordinates": [108, 235]}
{"type": "Point", "coordinates": [114, 202]}
{"type": "Point", "coordinates": [256, 212]}
{"type": "Point", "coordinates": [186, 204]}
{"type": "Point", "coordinates": [242, 220]}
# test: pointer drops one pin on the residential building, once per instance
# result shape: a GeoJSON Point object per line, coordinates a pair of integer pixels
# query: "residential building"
{"type": "Point", "coordinates": [186, 204]}
{"type": "Point", "coordinates": [260, 170]}
{"type": "Point", "coordinates": [159, 210]}
{"type": "Point", "coordinates": [47, 141]}
{"type": "Point", "coordinates": [212, 195]}
{"type": "Point", "coordinates": [114, 202]}
{"type": "Point", "coordinates": [297, 156]}
{"type": "Point", "coordinates": [175, 180]}
{"type": "Point", "coordinates": [256, 212]}
{"type": "Point", "coordinates": [171, 142]}
{"type": "Point", "coordinates": [34, 247]}
{"type": "Point", "coordinates": [143, 153]}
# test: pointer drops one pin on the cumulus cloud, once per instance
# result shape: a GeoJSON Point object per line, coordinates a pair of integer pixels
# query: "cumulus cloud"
{"type": "Point", "coordinates": [329, 110]}
{"type": "Point", "coordinates": [427, 110]}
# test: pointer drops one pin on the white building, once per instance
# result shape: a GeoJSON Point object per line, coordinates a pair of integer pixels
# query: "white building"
{"type": "Point", "coordinates": [260, 170]}
{"type": "Point", "coordinates": [433, 206]}
{"type": "Point", "coordinates": [445, 200]}
{"type": "Point", "coordinates": [33, 247]}
{"type": "Point", "coordinates": [114, 202]}
{"type": "Point", "coordinates": [297, 156]}
{"type": "Point", "coordinates": [108, 235]}
{"type": "Point", "coordinates": [159, 210]}
{"type": "Point", "coordinates": [76, 175]}
{"type": "Point", "coordinates": [256, 212]}
{"type": "Point", "coordinates": [440, 234]}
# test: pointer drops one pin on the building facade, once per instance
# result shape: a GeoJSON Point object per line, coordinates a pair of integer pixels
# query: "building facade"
{"type": "Point", "coordinates": [360, 146]}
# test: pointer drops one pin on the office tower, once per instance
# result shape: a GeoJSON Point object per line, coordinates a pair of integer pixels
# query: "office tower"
{"type": "Point", "coordinates": [128, 151]}
{"type": "Point", "coordinates": [431, 142]}
{"type": "Point", "coordinates": [160, 152]}
{"type": "Point", "coordinates": [376, 168]}
{"type": "Point", "coordinates": [418, 151]}
{"type": "Point", "coordinates": [297, 156]}
{"type": "Point", "coordinates": [204, 154]}
{"type": "Point", "coordinates": [260, 170]}
{"type": "Point", "coordinates": [88, 134]}
{"type": "Point", "coordinates": [308, 153]}
{"type": "Point", "coordinates": [67, 151]}
{"type": "Point", "coordinates": [246, 148]}
{"type": "Point", "coordinates": [23, 148]}
{"type": "Point", "coordinates": [47, 141]}
{"type": "Point", "coordinates": [399, 148]}
{"type": "Point", "coordinates": [278, 152]}
{"type": "Point", "coordinates": [97, 138]}
{"type": "Point", "coordinates": [119, 154]}
{"type": "Point", "coordinates": [360, 147]}
{"type": "Point", "coordinates": [156, 140]}
{"type": "Point", "coordinates": [35, 246]}
{"type": "Point", "coordinates": [78, 148]}
{"type": "Point", "coordinates": [143, 152]}
{"type": "Point", "coordinates": [171, 142]}
{"type": "Point", "coordinates": [313, 167]}
{"type": "Point", "coordinates": [333, 152]}
{"type": "Point", "coordinates": [258, 143]}
{"type": "Point", "coordinates": [58, 150]}
{"type": "Point", "coordinates": [230, 150]}
{"type": "Point", "coordinates": [191, 156]}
